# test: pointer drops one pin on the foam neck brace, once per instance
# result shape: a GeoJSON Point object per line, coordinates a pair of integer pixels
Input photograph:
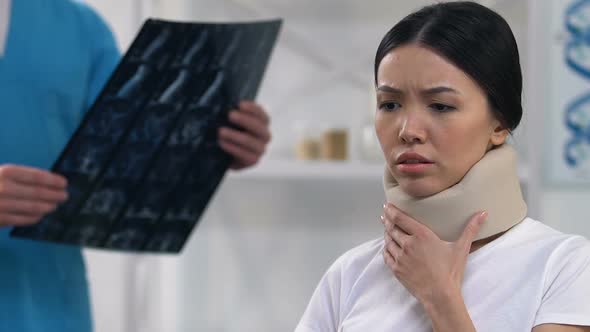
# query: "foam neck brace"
{"type": "Point", "coordinates": [492, 185]}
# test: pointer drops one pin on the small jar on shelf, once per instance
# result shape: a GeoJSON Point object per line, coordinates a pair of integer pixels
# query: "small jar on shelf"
{"type": "Point", "coordinates": [307, 141]}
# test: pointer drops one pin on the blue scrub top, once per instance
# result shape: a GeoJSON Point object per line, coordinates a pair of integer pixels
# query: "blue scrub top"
{"type": "Point", "coordinates": [58, 55]}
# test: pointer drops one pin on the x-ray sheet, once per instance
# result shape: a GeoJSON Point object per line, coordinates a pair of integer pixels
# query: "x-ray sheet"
{"type": "Point", "coordinates": [145, 162]}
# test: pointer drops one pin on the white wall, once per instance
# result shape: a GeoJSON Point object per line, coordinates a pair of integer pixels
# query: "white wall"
{"type": "Point", "coordinates": [563, 207]}
{"type": "Point", "coordinates": [123, 17]}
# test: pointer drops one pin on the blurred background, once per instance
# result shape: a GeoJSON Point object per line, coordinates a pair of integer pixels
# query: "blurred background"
{"type": "Point", "coordinates": [271, 232]}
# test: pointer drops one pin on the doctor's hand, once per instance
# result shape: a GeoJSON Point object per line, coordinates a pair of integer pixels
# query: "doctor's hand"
{"type": "Point", "coordinates": [429, 268]}
{"type": "Point", "coordinates": [27, 194]}
{"type": "Point", "coordinates": [246, 146]}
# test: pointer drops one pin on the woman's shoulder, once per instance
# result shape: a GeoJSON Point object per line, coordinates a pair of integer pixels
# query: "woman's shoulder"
{"type": "Point", "coordinates": [353, 262]}
{"type": "Point", "coordinates": [561, 263]}
{"type": "Point", "coordinates": [542, 234]}
{"type": "Point", "coordinates": [546, 243]}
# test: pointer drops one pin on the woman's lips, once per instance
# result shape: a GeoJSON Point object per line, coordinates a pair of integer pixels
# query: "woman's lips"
{"type": "Point", "coordinates": [413, 168]}
{"type": "Point", "coordinates": [412, 162]}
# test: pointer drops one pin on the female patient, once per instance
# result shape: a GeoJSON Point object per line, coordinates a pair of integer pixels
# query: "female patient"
{"type": "Point", "coordinates": [459, 253]}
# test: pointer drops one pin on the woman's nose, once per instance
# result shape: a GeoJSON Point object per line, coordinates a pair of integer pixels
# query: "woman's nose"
{"type": "Point", "coordinates": [412, 130]}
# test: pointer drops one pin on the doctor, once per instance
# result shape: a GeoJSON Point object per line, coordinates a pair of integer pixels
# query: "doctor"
{"type": "Point", "coordinates": [55, 56]}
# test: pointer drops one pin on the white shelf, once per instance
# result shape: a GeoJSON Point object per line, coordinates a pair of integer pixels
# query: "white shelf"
{"type": "Point", "coordinates": [324, 170]}
{"type": "Point", "coordinates": [314, 170]}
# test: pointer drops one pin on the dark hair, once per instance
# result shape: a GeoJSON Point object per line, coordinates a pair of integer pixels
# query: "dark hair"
{"type": "Point", "coordinates": [475, 39]}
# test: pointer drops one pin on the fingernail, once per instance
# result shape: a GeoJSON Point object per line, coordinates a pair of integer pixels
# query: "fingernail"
{"type": "Point", "coordinates": [483, 216]}
{"type": "Point", "coordinates": [382, 219]}
{"type": "Point", "coordinates": [385, 205]}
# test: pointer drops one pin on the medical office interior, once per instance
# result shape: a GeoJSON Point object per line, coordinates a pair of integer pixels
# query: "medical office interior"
{"type": "Point", "coordinates": [270, 232]}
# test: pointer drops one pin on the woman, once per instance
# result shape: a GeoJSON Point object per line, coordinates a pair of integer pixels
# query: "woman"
{"type": "Point", "coordinates": [459, 253]}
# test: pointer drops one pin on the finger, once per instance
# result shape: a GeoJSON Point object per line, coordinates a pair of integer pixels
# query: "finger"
{"type": "Point", "coordinates": [403, 221]}
{"type": "Point", "coordinates": [389, 260]}
{"type": "Point", "coordinates": [14, 190]}
{"type": "Point", "coordinates": [237, 166]}
{"type": "Point", "coordinates": [391, 246]}
{"type": "Point", "coordinates": [390, 226]}
{"type": "Point", "coordinates": [387, 223]}
{"type": "Point", "coordinates": [471, 230]}
{"type": "Point", "coordinates": [26, 208]}
{"type": "Point", "coordinates": [387, 238]}
{"type": "Point", "coordinates": [386, 245]}
{"type": "Point", "coordinates": [18, 220]}
{"type": "Point", "coordinates": [33, 176]}
{"type": "Point", "coordinates": [243, 157]}
{"type": "Point", "coordinates": [246, 141]}
{"type": "Point", "coordinates": [399, 237]}
{"type": "Point", "coordinates": [251, 124]}
{"type": "Point", "coordinates": [254, 109]}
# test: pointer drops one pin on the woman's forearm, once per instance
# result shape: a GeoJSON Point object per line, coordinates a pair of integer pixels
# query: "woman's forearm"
{"type": "Point", "coordinates": [448, 313]}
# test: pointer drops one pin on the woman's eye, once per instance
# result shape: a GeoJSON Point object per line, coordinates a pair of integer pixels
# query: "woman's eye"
{"type": "Point", "coordinates": [441, 107]}
{"type": "Point", "coordinates": [389, 106]}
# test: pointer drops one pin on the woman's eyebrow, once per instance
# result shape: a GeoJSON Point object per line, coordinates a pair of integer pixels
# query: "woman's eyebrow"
{"type": "Point", "coordinates": [439, 89]}
{"type": "Point", "coordinates": [429, 91]}
{"type": "Point", "coordinates": [389, 89]}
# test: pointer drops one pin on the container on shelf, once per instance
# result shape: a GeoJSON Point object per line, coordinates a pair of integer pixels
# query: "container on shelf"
{"type": "Point", "coordinates": [307, 149]}
{"type": "Point", "coordinates": [307, 141]}
{"type": "Point", "coordinates": [334, 144]}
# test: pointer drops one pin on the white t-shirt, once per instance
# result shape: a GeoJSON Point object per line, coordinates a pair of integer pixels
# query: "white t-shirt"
{"type": "Point", "coordinates": [531, 275]}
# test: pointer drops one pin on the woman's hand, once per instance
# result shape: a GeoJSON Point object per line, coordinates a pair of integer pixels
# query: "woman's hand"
{"type": "Point", "coordinates": [27, 194]}
{"type": "Point", "coordinates": [428, 267]}
{"type": "Point", "coordinates": [246, 146]}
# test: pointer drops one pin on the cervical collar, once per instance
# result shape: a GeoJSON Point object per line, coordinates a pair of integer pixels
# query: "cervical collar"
{"type": "Point", "coordinates": [491, 185]}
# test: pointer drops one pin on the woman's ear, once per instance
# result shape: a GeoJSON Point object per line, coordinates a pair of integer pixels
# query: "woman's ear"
{"type": "Point", "coordinates": [499, 135]}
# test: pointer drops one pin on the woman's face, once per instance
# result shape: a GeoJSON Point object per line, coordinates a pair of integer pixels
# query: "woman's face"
{"type": "Point", "coordinates": [432, 120]}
